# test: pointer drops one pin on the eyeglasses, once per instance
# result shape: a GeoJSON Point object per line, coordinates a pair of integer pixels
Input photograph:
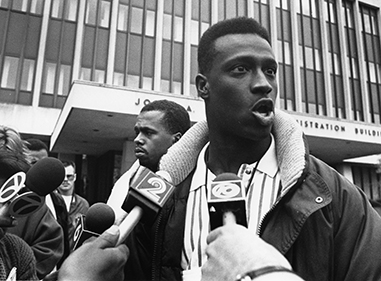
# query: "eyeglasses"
{"type": "Point", "coordinates": [69, 177]}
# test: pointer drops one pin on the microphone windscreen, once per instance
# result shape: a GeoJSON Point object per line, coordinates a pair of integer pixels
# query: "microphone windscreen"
{"type": "Point", "coordinates": [45, 176]}
{"type": "Point", "coordinates": [99, 217]}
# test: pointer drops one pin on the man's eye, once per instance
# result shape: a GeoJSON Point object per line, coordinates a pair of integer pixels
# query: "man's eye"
{"type": "Point", "coordinates": [239, 69]}
{"type": "Point", "coordinates": [271, 71]}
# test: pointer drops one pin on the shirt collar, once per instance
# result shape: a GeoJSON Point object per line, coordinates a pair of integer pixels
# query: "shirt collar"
{"type": "Point", "coordinates": [268, 165]}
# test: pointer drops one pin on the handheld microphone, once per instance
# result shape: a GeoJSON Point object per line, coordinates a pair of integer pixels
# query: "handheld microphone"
{"type": "Point", "coordinates": [45, 176]}
{"type": "Point", "coordinates": [145, 199]}
{"type": "Point", "coordinates": [98, 218]}
{"type": "Point", "coordinates": [226, 201]}
{"type": "Point", "coordinates": [42, 178]}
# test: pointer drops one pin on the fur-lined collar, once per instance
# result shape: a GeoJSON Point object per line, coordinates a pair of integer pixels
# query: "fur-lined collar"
{"type": "Point", "coordinates": [181, 158]}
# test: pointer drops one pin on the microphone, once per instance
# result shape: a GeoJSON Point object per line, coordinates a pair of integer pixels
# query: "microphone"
{"type": "Point", "coordinates": [226, 201]}
{"type": "Point", "coordinates": [42, 178]}
{"type": "Point", "coordinates": [144, 200]}
{"type": "Point", "coordinates": [45, 176]}
{"type": "Point", "coordinates": [99, 217]}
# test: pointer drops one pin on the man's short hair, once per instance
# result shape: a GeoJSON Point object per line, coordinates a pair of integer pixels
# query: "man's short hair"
{"type": "Point", "coordinates": [67, 163]}
{"type": "Point", "coordinates": [36, 145]}
{"type": "Point", "coordinates": [176, 118]}
{"type": "Point", "coordinates": [239, 25]}
{"type": "Point", "coordinates": [11, 163]}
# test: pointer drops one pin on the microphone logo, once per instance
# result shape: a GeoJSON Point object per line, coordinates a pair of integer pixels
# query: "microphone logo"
{"type": "Point", "coordinates": [153, 187]}
{"type": "Point", "coordinates": [79, 228]}
{"type": "Point", "coordinates": [226, 190]}
{"type": "Point", "coordinates": [12, 186]}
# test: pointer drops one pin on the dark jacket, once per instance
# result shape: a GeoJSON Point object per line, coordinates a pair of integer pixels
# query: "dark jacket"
{"type": "Point", "coordinates": [63, 220]}
{"type": "Point", "coordinates": [322, 223]}
{"type": "Point", "coordinates": [44, 235]}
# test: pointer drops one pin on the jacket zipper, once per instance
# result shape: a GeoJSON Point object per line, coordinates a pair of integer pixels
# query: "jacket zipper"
{"type": "Point", "coordinates": [259, 230]}
{"type": "Point", "coordinates": [155, 246]}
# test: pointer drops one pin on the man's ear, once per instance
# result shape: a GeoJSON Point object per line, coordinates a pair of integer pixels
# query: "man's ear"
{"type": "Point", "coordinates": [176, 137]}
{"type": "Point", "coordinates": [202, 86]}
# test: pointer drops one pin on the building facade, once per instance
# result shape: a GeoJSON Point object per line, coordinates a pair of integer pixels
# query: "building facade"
{"type": "Point", "coordinates": [75, 74]}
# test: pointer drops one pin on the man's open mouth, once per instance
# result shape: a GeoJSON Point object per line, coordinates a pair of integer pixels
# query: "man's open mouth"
{"type": "Point", "coordinates": [263, 111]}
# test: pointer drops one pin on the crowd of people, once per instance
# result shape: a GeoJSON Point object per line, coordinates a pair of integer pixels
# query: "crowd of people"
{"type": "Point", "coordinates": [304, 221]}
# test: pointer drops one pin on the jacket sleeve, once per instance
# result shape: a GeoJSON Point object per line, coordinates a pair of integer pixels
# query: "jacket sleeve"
{"type": "Point", "coordinates": [44, 235]}
{"type": "Point", "coordinates": [357, 228]}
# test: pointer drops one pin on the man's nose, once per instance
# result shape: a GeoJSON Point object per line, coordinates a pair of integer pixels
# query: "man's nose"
{"type": "Point", "coordinates": [139, 139]}
{"type": "Point", "coordinates": [260, 83]}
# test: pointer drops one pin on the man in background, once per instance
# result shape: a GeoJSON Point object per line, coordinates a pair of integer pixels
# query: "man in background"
{"type": "Point", "coordinates": [75, 204]}
{"type": "Point", "coordinates": [158, 126]}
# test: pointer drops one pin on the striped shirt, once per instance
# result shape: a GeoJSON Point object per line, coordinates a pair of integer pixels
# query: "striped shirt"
{"type": "Point", "coordinates": [261, 194]}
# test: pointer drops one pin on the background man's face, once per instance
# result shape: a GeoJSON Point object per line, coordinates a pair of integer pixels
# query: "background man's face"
{"type": "Point", "coordinates": [152, 138]}
{"type": "Point", "coordinates": [68, 183]}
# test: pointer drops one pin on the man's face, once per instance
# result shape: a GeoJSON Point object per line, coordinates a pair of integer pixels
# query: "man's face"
{"type": "Point", "coordinates": [152, 139]}
{"type": "Point", "coordinates": [241, 87]}
{"type": "Point", "coordinates": [34, 156]}
{"type": "Point", "coordinates": [67, 185]}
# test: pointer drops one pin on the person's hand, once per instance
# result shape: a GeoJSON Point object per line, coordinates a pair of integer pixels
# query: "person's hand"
{"type": "Point", "coordinates": [232, 249]}
{"type": "Point", "coordinates": [98, 259]}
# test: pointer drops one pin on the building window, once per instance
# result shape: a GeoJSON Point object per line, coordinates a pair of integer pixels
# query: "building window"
{"type": "Point", "coordinates": [172, 51]}
{"type": "Point", "coordinates": [10, 67]}
{"type": "Point", "coordinates": [335, 65]}
{"type": "Point", "coordinates": [262, 12]}
{"type": "Point", "coordinates": [27, 75]}
{"type": "Point", "coordinates": [96, 40]}
{"type": "Point", "coordinates": [313, 94]}
{"type": "Point", "coordinates": [19, 41]}
{"type": "Point", "coordinates": [59, 53]}
{"type": "Point", "coordinates": [49, 78]}
{"type": "Point", "coordinates": [352, 60]}
{"type": "Point", "coordinates": [368, 179]}
{"type": "Point", "coordinates": [32, 6]}
{"type": "Point", "coordinates": [285, 69]}
{"type": "Point", "coordinates": [231, 9]}
{"type": "Point", "coordinates": [135, 50]}
{"type": "Point", "coordinates": [372, 54]}
{"type": "Point", "coordinates": [200, 21]}
{"type": "Point", "coordinates": [64, 9]}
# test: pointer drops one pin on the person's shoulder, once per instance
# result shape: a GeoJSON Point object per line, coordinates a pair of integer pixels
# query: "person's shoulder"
{"type": "Point", "coordinates": [82, 200]}
{"type": "Point", "coordinates": [17, 246]}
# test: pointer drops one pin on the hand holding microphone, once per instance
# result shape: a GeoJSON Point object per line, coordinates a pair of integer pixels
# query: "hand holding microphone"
{"type": "Point", "coordinates": [226, 201]}
{"type": "Point", "coordinates": [98, 218]}
{"type": "Point", "coordinates": [145, 199]}
{"type": "Point", "coordinates": [99, 259]}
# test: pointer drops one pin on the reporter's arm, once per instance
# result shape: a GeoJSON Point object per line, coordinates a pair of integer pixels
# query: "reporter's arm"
{"type": "Point", "coordinates": [96, 260]}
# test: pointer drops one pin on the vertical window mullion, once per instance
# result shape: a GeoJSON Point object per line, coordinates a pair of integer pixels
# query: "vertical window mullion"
{"type": "Point", "coordinates": [374, 48]}
{"type": "Point", "coordinates": [304, 55]}
{"type": "Point", "coordinates": [367, 64]}
{"type": "Point", "coordinates": [172, 55]}
{"type": "Point", "coordinates": [128, 40]}
{"type": "Point", "coordinates": [144, 20]}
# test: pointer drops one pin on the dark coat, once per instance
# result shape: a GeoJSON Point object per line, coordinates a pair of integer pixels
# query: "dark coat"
{"type": "Point", "coordinates": [322, 223]}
